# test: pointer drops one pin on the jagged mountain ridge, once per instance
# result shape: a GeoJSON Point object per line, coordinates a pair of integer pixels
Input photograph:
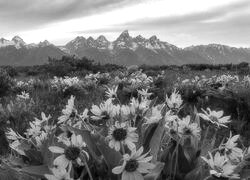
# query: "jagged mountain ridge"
{"type": "Point", "coordinates": [125, 50]}
{"type": "Point", "coordinates": [18, 53]}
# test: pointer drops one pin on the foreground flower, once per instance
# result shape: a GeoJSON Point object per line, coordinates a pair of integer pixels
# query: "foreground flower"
{"type": "Point", "coordinates": [153, 115]}
{"type": "Point", "coordinates": [105, 111]}
{"type": "Point", "coordinates": [188, 129]}
{"type": "Point", "coordinates": [144, 93]}
{"type": "Point", "coordinates": [71, 153]}
{"type": "Point", "coordinates": [122, 134]}
{"type": "Point", "coordinates": [58, 174]}
{"type": "Point", "coordinates": [134, 165]}
{"type": "Point", "coordinates": [111, 92]}
{"type": "Point", "coordinates": [83, 117]}
{"type": "Point", "coordinates": [220, 167]}
{"type": "Point", "coordinates": [230, 148]}
{"type": "Point", "coordinates": [139, 107]}
{"type": "Point", "coordinates": [174, 101]}
{"type": "Point", "coordinates": [69, 111]}
{"type": "Point", "coordinates": [215, 117]}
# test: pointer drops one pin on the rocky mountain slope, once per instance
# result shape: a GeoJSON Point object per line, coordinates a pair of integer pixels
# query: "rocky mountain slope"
{"type": "Point", "coordinates": [125, 50]}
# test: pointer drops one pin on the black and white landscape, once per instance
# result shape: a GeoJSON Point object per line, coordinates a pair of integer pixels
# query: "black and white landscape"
{"type": "Point", "coordinates": [124, 89]}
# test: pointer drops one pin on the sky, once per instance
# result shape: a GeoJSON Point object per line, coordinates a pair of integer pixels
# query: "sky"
{"type": "Point", "coordinates": [179, 22]}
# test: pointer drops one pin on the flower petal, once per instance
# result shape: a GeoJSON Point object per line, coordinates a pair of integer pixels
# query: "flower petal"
{"type": "Point", "coordinates": [56, 149]}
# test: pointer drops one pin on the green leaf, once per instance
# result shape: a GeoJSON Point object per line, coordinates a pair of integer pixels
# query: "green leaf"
{"type": "Point", "coordinates": [34, 156]}
{"type": "Point", "coordinates": [155, 141]}
{"type": "Point", "coordinates": [156, 172]}
{"type": "Point", "coordinates": [195, 174]}
{"type": "Point", "coordinates": [46, 153]}
{"type": "Point", "coordinates": [245, 174]}
{"type": "Point", "coordinates": [37, 171]}
{"type": "Point", "coordinates": [113, 158]}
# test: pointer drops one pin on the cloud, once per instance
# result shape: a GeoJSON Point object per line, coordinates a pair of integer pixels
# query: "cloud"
{"type": "Point", "coordinates": [228, 24]}
{"type": "Point", "coordinates": [22, 14]}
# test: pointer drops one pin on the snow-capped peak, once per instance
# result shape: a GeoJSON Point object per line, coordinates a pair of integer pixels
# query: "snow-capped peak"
{"type": "Point", "coordinates": [18, 40]}
{"type": "Point", "coordinates": [124, 36]}
{"type": "Point", "coordinates": [44, 43]}
{"type": "Point", "coordinates": [140, 38]}
{"type": "Point", "coordinates": [101, 38]}
{"type": "Point", "coordinates": [78, 39]}
{"type": "Point", "coordinates": [102, 42]}
{"type": "Point", "coordinates": [124, 41]}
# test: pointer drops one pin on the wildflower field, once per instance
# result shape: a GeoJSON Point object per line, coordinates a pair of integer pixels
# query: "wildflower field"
{"type": "Point", "coordinates": [126, 125]}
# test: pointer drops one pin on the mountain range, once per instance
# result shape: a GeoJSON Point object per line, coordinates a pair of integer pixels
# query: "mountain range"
{"type": "Point", "coordinates": [125, 50]}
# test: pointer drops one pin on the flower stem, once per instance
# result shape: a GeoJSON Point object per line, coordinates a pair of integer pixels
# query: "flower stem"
{"type": "Point", "coordinates": [87, 166]}
{"type": "Point", "coordinates": [205, 137]}
{"type": "Point", "coordinates": [122, 147]}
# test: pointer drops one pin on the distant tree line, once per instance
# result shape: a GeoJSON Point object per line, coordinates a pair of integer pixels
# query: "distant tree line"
{"type": "Point", "coordinates": [66, 66]}
{"type": "Point", "coordinates": [243, 66]}
{"type": "Point", "coordinates": [73, 66]}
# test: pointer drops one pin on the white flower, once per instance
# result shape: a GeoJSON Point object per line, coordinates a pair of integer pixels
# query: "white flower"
{"type": "Point", "coordinates": [68, 112]}
{"type": "Point", "coordinates": [34, 130]}
{"type": "Point", "coordinates": [134, 165]}
{"type": "Point", "coordinates": [71, 153]}
{"type": "Point", "coordinates": [105, 111]}
{"type": "Point", "coordinates": [82, 119]}
{"type": "Point", "coordinates": [215, 117]}
{"type": "Point", "coordinates": [153, 115]}
{"type": "Point", "coordinates": [171, 120]}
{"type": "Point", "coordinates": [186, 129]}
{"type": "Point", "coordinates": [137, 106]}
{"type": "Point", "coordinates": [220, 167]}
{"type": "Point", "coordinates": [58, 174]}
{"type": "Point", "coordinates": [12, 135]}
{"type": "Point", "coordinates": [23, 96]}
{"type": "Point", "coordinates": [38, 126]}
{"type": "Point", "coordinates": [15, 139]}
{"type": "Point", "coordinates": [125, 111]}
{"type": "Point", "coordinates": [144, 93]}
{"type": "Point", "coordinates": [41, 138]}
{"type": "Point", "coordinates": [111, 92]}
{"type": "Point", "coordinates": [231, 149]}
{"type": "Point", "coordinates": [174, 101]}
{"type": "Point", "coordinates": [122, 133]}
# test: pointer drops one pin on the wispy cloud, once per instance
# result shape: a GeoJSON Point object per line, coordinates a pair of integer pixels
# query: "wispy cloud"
{"type": "Point", "coordinates": [22, 14]}
{"type": "Point", "coordinates": [180, 22]}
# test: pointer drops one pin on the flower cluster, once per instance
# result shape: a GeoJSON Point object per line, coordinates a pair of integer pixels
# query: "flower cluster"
{"type": "Point", "coordinates": [129, 138]}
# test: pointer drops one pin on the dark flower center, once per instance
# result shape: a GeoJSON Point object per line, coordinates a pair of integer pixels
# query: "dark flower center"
{"type": "Point", "coordinates": [175, 105]}
{"type": "Point", "coordinates": [187, 131]}
{"type": "Point", "coordinates": [172, 132]}
{"type": "Point", "coordinates": [73, 114]}
{"type": "Point", "coordinates": [68, 134]}
{"type": "Point", "coordinates": [218, 169]}
{"type": "Point", "coordinates": [72, 153]}
{"type": "Point", "coordinates": [131, 165]}
{"type": "Point", "coordinates": [228, 151]}
{"type": "Point", "coordinates": [220, 178]}
{"type": "Point", "coordinates": [213, 118]}
{"type": "Point", "coordinates": [105, 115]}
{"type": "Point", "coordinates": [120, 134]}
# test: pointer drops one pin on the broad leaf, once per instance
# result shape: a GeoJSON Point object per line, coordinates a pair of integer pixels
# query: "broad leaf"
{"type": "Point", "coordinates": [156, 172]}
{"type": "Point", "coordinates": [113, 158]}
{"type": "Point", "coordinates": [155, 141]}
{"type": "Point", "coordinates": [195, 174]}
{"type": "Point", "coordinates": [37, 171]}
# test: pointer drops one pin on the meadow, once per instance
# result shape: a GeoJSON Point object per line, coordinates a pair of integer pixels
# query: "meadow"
{"type": "Point", "coordinates": [116, 123]}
